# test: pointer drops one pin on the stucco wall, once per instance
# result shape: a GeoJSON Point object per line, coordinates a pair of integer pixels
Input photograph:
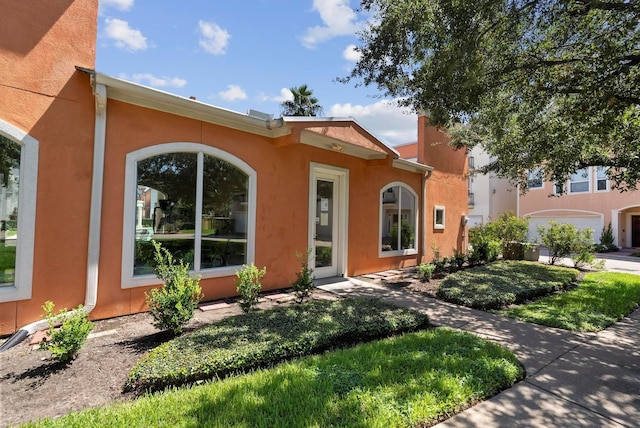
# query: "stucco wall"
{"type": "Point", "coordinates": [447, 187]}
{"type": "Point", "coordinates": [42, 94]}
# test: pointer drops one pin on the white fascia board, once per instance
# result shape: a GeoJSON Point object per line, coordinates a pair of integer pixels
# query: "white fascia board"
{"type": "Point", "coordinates": [411, 166]}
{"type": "Point", "coordinates": [144, 96]}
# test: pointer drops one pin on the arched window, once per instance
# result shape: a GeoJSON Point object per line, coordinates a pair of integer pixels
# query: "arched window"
{"type": "Point", "coordinates": [197, 201]}
{"type": "Point", "coordinates": [398, 220]}
{"type": "Point", "coordinates": [18, 178]}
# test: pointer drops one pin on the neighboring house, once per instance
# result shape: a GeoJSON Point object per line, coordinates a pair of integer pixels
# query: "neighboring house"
{"type": "Point", "coordinates": [489, 196]}
{"type": "Point", "coordinates": [106, 165]}
{"type": "Point", "coordinates": [589, 201]}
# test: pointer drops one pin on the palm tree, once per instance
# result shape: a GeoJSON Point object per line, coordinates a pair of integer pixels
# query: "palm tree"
{"type": "Point", "coordinates": [303, 103]}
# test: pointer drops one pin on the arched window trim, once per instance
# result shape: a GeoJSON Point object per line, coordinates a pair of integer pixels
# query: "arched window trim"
{"type": "Point", "coordinates": [128, 232]}
{"type": "Point", "coordinates": [396, 253]}
{"type": "Point", "coordinates": [26, 213]}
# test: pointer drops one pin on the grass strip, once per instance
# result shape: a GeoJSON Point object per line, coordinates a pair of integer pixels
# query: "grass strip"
{"type": "Point", "coordinates": [415, 379]}
{"type": "Point", "coordinates": [502, 283]}
{"type": "Point", "coordinates": [264, 338]}
{"type": "Point", "coordinates": [598, 302]}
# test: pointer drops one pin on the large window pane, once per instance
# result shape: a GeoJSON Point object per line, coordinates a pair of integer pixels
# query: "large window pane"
{"type": "Point", "coordinates": [166, 207]}
{"type": "Point", "coordinates": [224, 214]}
{"type": "Point", "coordinates": [579, 181]}
{"type": "Point", "coordinates": [9, 190]}
{"type": "Point", "coordinates": [398, 219]}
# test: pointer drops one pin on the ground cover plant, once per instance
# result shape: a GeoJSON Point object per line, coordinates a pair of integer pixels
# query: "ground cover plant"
{"type": "Point", "coordinates": [412, 380]}
{"type": "Point", "coordinates": [259, 339]}
{"type": "Point", "coordinates": [502, 283]}
{"type": "Point", "coordinates": [601, 299]}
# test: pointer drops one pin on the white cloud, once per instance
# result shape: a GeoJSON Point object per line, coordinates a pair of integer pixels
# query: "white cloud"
{"type": "Point", "coordinates": [124, 36]}
{"type": "Point", "coordinates": [351, 54]}
{"type": "Point", "coordinates": [156, 82]}
{"type": "Point", "coordinates": [338, 19]}
{"type": "Point", "coordinates": [285, 95]}
{"type": "Point", "coordinates": [214, 39]}
{"type": "Point", "coordinates": [384, 119]}
{"type": "Point", "coordinates": [233, 93]}
{"type": "Point", "coordinates": [122, 5]}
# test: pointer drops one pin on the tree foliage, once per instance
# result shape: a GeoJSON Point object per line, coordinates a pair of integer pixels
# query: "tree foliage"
{"type": "Point", "coordinates": [303, 103]}
{"type": "Point", "coordinates": [537, 82]}
{"type": "Point", "coordinates": [9, 158]}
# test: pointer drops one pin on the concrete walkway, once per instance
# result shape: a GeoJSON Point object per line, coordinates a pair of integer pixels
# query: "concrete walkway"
{"type": "Point", "coordinates": [572, 380]}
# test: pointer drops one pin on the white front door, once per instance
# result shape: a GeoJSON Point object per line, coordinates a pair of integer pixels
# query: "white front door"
{"type": "Point", "coordinates": [327, 225]}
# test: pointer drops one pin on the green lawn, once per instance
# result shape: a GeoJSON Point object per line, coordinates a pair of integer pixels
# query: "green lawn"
{"type": "Point", "coordinates": [502, 283]}
{"type": "Point", "coordinates": [599, 301]}
{"type": "Point", "coordinates": [414, 379]}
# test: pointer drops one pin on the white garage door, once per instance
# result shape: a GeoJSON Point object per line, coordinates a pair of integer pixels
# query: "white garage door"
{"type": "Point", "coordinates": [592, 222]}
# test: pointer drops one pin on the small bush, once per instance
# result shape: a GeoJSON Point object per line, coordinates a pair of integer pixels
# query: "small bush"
{"type": "Point", "coordinates": [248, 286]}
{"type": "Point", "coordinates": [564, 239]}
{"type": "Point", "coordinates": [303, 284]}
{"type": "Point", "coordinates": [582, 251]}
{"type": "Point", "coordinates": [173, 305]}
{"type": "Point", "coordinates": [606, 241]}
{"type": "Point", "coordinates": [261, 339]}
{"type": "Point", "coordinates": [459, 258]}
{"type": "Point", "coordinates": [425, 271]}
{"type": "Point", "coordinates": [65, 342]}
{"type": "Point", "coordinates": [509, 228]}
{"type": "Point", "coordinates": [503, 283]}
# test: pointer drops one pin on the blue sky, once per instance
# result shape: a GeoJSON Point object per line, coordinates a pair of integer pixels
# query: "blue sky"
{"type": "Point", "coordinates": [244, 54]}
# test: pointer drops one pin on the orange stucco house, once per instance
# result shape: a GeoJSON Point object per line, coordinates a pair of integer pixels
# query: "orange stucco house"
{"type": "Point", "coordinates": [99, 166]}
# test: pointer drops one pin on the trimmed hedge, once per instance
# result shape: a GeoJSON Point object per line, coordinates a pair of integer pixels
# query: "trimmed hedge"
{"type": "Point", "coordinates": [504, 283]}
{"type": "Point", "coordinates": [261, 339]}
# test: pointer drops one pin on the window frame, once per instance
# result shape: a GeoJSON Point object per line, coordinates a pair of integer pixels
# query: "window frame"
{"type": "Point", "coordinates": [27, 196]}
{"type": "Point", "coordinates": [587, 180]}
{"type": "Point", "coordinates": [129, 215]}
{"type": "Point", "coordinates": [437, 225]}
{"type": "Point", "coordinates": [596, 179]}
{"type": "Point", "coordinates": [536, 173]}
{"type": "Point", "coordinates": [416, 210]}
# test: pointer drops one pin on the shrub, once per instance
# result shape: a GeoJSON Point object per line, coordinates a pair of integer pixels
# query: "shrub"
{"type": "Point", "coordinates": [261, 339]}
{"type": "Point", "coordinates": [303, 284]}
{"type": "Point", "coordinates": [173, 304]}
{"type": "Point", "coordinates": [65, 342]}
{"type": "Point", "coordinates": [485, 246]}
{"type": "Point", "coordinates": [458, 259]}
{"type": "Point", "coordinates": [503, 283]}
{"type": "Point", "coordinates": [509, 228]}
{"type": "Point", "coordinates": [582, 251]}
{"type": "Point", "coordinates": [606, 240]}
{"type": "Point", "coordinates": [564, 239]}
{"type": "Point", "coordinates": [425, 271]}
{"type": "Point", "coordinates": [248, 285]}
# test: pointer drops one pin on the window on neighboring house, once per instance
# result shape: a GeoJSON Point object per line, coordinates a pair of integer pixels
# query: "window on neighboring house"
{"type": "Point", "coordinates": [17, 212]}
{"type": "Point", "coordinates": [558, 188]}
{"type": "Point", "coordinates": [579, 181]}
{"type": "Point", "coordinates": [198, 205]}
{"type": "Point", "coordinates": [534, 180]}
{"type": "Point", "coordinates": [398, 220]}
{"type": "Point", "coordinates": [602, 180]}
{"type": "Point", "coordinates": [438, 217]}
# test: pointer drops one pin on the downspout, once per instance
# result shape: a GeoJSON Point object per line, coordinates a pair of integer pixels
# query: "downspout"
{"type": "Point", "coordinates": [93, 257]}
{"type": "Point", "coordinates": [423, 218]}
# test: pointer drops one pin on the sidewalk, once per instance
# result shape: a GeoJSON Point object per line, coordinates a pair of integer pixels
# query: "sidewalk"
{"type": "Point", "coordinates": [584, 380]}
